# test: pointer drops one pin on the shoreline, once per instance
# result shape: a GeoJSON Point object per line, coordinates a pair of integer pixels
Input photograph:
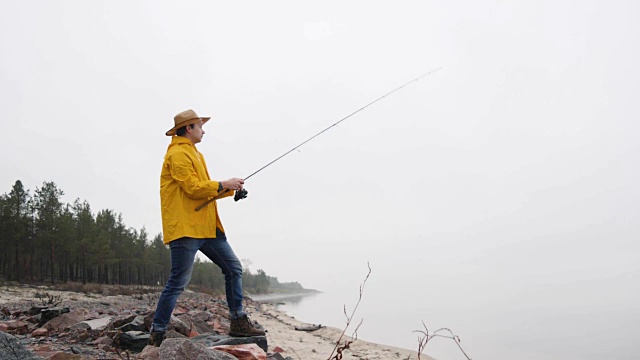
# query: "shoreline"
{"type": "Point", "coordinates": [273, 298]}
{"type": "Point", "coordinates": [307, 345]}
{"type": "Point", "coordinates": [318, 344]}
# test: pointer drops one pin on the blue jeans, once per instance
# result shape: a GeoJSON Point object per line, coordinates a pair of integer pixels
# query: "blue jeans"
{"type": "Point", "coordinates": [183, 252]}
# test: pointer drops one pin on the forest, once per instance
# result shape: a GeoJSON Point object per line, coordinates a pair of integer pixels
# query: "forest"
{"type": "Point", "coordinates": [46, 240]}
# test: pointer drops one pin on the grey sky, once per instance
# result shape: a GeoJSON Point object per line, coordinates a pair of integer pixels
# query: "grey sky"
{"type": "Point", "coordinates": [510, 172]}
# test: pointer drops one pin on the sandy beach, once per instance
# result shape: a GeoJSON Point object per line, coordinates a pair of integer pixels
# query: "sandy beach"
{"type": "Point", "coordinates": [320, 343]}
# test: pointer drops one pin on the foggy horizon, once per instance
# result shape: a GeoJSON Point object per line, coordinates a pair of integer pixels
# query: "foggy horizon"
{"type": "Point", "coordinates": [504, 186]}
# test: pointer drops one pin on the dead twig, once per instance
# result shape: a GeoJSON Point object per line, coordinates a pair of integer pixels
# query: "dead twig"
{"type": "Point", "coordinates": [48, 299]}
{"type": "Point", "coordinates": [339, 347]}
{"type": "Point", "coordinates": [423, 340]}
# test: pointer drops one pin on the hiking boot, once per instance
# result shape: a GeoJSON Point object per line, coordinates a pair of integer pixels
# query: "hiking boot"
{"type": "Point", "coordinates": [243, 327]}
{"type": "Point", "coordinates": [156, 338]}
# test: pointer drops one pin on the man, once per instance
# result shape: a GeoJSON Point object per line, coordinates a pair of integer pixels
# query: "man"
{"type": "Point", "coordinates": [185, 184]}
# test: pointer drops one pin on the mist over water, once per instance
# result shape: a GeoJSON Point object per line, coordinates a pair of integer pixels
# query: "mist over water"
{"type": "Point", "coordinates": [497, 197]}
{"type": "Point", "coordinates": [509, 329]}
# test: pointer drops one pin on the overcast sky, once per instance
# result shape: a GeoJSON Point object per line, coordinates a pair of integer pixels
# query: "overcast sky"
{"type": "Point", "coordinates": [517, 162]}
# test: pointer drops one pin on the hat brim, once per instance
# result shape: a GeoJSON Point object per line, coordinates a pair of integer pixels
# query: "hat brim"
{"type": "Point", "coordinates": [172, 131]}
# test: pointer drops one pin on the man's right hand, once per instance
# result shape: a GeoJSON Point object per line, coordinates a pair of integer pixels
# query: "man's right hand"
{"type": "Point", "coordinates": [233, 184]}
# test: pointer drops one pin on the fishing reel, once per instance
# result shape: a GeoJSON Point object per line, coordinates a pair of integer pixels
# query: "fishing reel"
{"type": "Point", "coordinates": [240, 194]}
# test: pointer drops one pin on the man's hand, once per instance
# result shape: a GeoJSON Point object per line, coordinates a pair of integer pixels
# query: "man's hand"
{"type": "Point", "coordinates": [232, 184]}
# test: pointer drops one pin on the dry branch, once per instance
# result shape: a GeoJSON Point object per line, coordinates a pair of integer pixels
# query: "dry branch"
{"type": "Point", "coordinates": [339, 348]}
{"type": "Point", "coordinates": [422, 341]}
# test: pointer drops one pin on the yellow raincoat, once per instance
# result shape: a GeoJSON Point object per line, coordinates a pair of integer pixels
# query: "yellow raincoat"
{"type": "Point", "coordinates": [185, 184]}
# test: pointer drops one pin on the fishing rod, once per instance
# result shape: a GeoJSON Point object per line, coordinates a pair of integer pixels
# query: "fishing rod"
{"type": "Point", "coordinates": [241, 194]}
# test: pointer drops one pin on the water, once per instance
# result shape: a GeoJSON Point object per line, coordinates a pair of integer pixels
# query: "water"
{"type": "Point", "coordinates": [488, 330]}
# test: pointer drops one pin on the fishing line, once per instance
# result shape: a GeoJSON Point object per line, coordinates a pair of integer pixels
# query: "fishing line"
{"type": "Point", "coordinates": [241, 194]}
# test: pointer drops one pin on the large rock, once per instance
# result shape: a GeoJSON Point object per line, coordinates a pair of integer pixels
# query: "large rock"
{"type": "Point", "coordinates": [103, 340]}
{"type": "Point", "coordinates": [211, 340]}
{"type": "Point", "coordinates": [40, 332]}
{"type": "Point", "coordinates": [198, 322]}
{"type": "Point", "coordinates": [201, 315]}
{"type": "Point", "coordinates": [81, 326]}
{"type": "Point", "coordinates": [35, 310]}
{"type": "Point", "coordinates": [131, 340]}
{"type": "Point", "coordinates": [244, 351]}
{"type": "Point", "coordinates": [98, 324]}
{"type": "Point", "coordinates": [67, 320]}
{"type": "Point", "coordinates": [174, 324]}
{"type": "Point", "coordinates": [12, 349]}
{"type": "Point", "coordinates": [179, 349]}
{"type": "Point", "coordinates": [86, 351]}
{"type": "Point", "coordinates": [179, 326]}
{"type": "Point", "coordinates": [137, 324]}
{"type": "Point", "coordinates": [172, 334]}
{"type": "Point", "coordinates": [150, 353]}
{"type": "Point", "coordinates": [16, 327]}
{"type": "Point", "coordinates": [121, 320]}
{"type": "Point", "coordinates": [48, 314]}
{"type": "Point", "coordinates": [277, 356]}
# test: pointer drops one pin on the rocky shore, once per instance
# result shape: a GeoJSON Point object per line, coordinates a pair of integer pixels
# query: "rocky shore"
{"type": "Point", "coordinates": [44, 323]}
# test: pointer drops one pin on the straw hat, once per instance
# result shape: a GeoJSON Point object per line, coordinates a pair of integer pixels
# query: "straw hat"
{"type": "Point", "coordinates": [185, 118]}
